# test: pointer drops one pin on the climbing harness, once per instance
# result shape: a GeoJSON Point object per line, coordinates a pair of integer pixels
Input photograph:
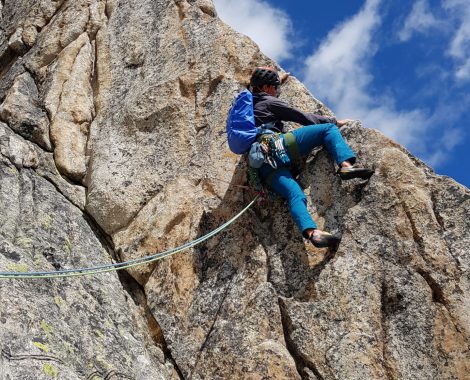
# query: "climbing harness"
{"type": "Point", "coordinates": [274, 154]}
{"type": "Point", "coordinates": [126, 264]}
{"type": "Point", "coordinates": [277, 150]}
{"type": "Point", "coordinates": [293, 150]}
{"type": "Point", "coordinates": [269, 148]}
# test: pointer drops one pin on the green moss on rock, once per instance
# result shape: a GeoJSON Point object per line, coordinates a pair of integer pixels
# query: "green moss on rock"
{"type": "Point", "coordinates": [50, 370]}
{"type": "Point", "coordinates": [41, 346]}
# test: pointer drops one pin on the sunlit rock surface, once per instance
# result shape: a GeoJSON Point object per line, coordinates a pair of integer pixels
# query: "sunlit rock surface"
{"type": "Point", "coordinates": [112, 148]}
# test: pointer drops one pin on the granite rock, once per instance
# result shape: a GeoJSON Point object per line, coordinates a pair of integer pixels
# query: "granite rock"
{"type": "Point", "coordinates": [112, 148]}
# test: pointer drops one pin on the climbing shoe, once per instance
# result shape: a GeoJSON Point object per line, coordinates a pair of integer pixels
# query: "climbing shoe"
{"type": "Point", "coordinates": [351, 172]}
{"type": "Point", "coordinates": [322, 239]}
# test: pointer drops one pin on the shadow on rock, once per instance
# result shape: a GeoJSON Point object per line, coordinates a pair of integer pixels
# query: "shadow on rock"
{"type": "Point", "coordinates": [266, 236]}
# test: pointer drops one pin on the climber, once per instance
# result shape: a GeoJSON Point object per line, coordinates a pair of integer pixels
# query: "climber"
{"type": "Point", "coordinates": [277, 173]}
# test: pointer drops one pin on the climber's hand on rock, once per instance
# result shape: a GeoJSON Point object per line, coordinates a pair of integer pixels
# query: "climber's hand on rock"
{"type": "Point", "coordinates": [340, 123]}
{"type": "Point", "coordinates": [283, 77]}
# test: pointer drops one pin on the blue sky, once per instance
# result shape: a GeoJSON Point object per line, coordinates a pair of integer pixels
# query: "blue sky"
{"type": "Point", "coordinates": [402, 67]}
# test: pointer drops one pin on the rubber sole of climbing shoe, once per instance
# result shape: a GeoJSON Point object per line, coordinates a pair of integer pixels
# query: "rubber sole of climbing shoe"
{"type": "Point", "coordinates": [325, 240]}
{"type": "Point", "coordinates": [352, 172]}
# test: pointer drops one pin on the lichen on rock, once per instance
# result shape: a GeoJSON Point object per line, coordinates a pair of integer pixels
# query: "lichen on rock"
{"type": "Point", "coordinates": [112, 148]}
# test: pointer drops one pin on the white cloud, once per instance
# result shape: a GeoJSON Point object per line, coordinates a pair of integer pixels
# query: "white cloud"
{"type": "Point", "coordinates": [463, 71]}
{"type": "Point", "coordinates": [456, 19]}
{"type": "Point", "coordinates": [338, 73]}
{"type": "Point", "coordinates": [339, 70]}
{"type": "Point", "coordinates": [459, 48]}
{"type": "Point", "coordinates": [419, 20]}
{"type": "Point", "coordinates": [452, 138]}
{"type": "Point", "coordinates": [268, 26]}
{"type": "Point", "coordinates": [439, 151]}
{"type": "Point", "coordinates": [436, 158]}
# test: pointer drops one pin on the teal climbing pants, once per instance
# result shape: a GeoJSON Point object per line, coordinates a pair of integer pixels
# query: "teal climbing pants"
{"type": "Point", "coordinates": [281, 180]}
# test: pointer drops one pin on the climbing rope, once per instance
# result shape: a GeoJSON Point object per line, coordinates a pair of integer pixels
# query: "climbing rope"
{"type": "Point", "coordinates": [123, 265]}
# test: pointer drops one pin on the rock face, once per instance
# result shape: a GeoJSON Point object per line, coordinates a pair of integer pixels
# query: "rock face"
{"type": "Point", "coordinates": [111, 148]}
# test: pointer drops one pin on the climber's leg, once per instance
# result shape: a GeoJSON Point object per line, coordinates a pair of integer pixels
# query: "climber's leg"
{"type": "Point", "coordinates": [312, 136]}
{"type": "Point", "coordinates": [282, 183]}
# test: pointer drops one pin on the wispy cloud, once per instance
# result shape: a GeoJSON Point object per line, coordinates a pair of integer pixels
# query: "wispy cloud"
{"type": "Point", "coordinates": [459, 48]}
{"type": "Point", "coordinates": [338, 72]}
{"type": "Point", "coordinates": [268, 26]}
{"type": "Point", "coordinates": [438, 151]}
{"type": "Point", "coordinates": [420, 20]}
{"type": "Point", "coordinates": [452, 20]}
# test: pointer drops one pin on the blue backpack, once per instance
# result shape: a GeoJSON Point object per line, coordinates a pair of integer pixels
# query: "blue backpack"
{"type": "Point", "coordinates": [241, 128]}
